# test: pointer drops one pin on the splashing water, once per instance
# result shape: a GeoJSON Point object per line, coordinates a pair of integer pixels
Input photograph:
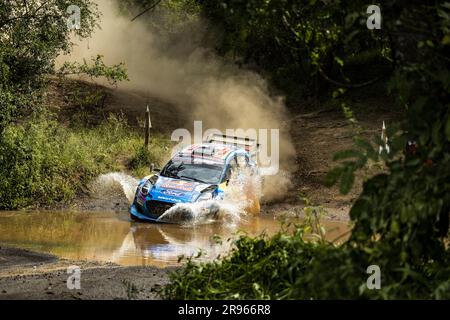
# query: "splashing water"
{"type": "Point", "coordinates": [204, 212]}
{"type": "Point", "coordinates": [107, 184]}
{"type": "Point", "coordinates": [240, 196]}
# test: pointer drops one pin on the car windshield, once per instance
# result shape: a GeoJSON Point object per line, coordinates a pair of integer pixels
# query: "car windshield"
{"type": "Point", "coordinates": [205, 173]}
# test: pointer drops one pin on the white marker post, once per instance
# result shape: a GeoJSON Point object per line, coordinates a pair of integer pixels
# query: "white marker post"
{"type": "Point", "coordinates": [148, 125]}
{"type": "Point", "coordinates": [385, 140]}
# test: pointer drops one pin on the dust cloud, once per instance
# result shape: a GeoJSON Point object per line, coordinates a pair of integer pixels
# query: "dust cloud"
{"type": "Point", "coordinates": [181, 69]}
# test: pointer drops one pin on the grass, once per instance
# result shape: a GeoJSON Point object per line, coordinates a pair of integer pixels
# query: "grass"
{"type": "Point", "coordinates": [44, 162]}
{"type": "Point", "coordinates": [131, 289]}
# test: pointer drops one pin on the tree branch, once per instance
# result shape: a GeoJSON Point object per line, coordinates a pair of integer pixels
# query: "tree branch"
{"type": "Point", "coordinates": [25, 16]}
{"type": "Point", "coordinates": [147, 10]}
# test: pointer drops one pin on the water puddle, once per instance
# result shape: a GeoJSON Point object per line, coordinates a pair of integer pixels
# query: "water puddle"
{"type": "Point", "coordinates": [113, 237]}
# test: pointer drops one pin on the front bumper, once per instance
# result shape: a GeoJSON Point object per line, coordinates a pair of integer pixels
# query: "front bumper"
{"type": "Point", "coordinates": [135, 212]}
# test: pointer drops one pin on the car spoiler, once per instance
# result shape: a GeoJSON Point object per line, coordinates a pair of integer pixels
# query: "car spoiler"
{"type": "Point", "coordinates": [250, 145]}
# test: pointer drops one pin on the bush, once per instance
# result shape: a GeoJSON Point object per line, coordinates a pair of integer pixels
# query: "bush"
{"type": "Point", "coordinates": [44, 162]}
{"type": "Point", "coordinates": [257, 268]}
{"type": "Point", "coordinates": [286, 266]}
{"type": "Point", "coordinates": [144, 157]}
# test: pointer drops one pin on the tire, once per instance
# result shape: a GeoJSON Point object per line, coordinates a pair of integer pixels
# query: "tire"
{"type": "Point", "coordinates": [134, 218]}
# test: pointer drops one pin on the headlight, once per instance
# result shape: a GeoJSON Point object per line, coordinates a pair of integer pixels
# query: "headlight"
{"type": "Point", "coordinates": [205, 196]}
{"type": "Point", "coordinates": [146, 187]}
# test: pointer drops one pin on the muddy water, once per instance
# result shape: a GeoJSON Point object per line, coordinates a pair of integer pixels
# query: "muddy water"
{"type": "Point", "coordinates": [113, 237]}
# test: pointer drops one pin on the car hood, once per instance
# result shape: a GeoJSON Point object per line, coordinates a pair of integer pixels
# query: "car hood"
{"type": "Point", "coordinates": [176, 190]}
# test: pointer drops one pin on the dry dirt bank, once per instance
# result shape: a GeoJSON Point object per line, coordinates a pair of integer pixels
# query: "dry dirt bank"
{"type": "Point", "coordinates": [30, 275]}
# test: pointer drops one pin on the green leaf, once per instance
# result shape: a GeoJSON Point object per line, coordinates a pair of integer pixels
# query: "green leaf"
{"type": "Point", "coordinates": [347, 180]}
{"type": "Point", "coordinates": [413, 162]}
{"type": "Point", "coordinates": [447, 128]}
{"type": "Point", "coordinates": [332, 177]}
{"type": "Point", "coordinates": [365, 145]}
{"type": "Point", "coordinates": [345, 154]}
{"type": "Point", "coordinates": [446, 40]}
{"type": "Point", "coordinates": [436, 132]}
{"type": "Point", "coordinates": [339, 61]}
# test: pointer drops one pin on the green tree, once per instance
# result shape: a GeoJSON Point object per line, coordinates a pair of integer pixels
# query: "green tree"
{"type": "Point", "coordinates": [32, 34]}
{"type": "Point", "coordinates": [305, 46]}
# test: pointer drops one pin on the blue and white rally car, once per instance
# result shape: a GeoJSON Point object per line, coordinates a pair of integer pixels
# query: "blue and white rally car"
{"type": "Point", "coordinates": [200, 172]}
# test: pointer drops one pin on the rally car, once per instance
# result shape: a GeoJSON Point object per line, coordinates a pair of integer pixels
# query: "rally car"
{"type": "Point", "coordinates": [199, 172]}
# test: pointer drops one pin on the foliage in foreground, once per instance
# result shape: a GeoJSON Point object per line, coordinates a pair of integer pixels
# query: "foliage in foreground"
{"type": "Point", "coordinates": [401, 218]}
{"type": "Point", "coordinates": [286, 266]}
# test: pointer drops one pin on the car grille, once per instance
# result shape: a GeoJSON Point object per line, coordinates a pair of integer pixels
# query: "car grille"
{"type": "Point", "coordinates": [157, 208]}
